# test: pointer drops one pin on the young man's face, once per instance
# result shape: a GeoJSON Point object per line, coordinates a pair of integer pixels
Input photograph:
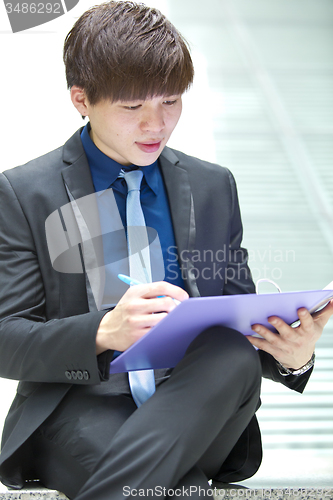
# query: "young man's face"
{"type": "Point", "coordinates": [134, 132]}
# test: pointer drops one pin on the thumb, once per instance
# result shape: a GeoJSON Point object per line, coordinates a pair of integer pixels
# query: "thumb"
{"type": "Point", "coordinates": [324, 314]}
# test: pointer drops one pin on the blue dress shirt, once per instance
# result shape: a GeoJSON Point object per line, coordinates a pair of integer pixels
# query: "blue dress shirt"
{"type": "Point", "coordinates": [153, 196]}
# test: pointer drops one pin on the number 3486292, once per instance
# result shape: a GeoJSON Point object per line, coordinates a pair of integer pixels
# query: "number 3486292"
{"type": "Point", "coordinates": [33, 8]}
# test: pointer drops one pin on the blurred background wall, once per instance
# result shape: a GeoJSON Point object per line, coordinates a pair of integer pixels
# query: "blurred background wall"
{"type": "Point", "coordinates": [262, 105]}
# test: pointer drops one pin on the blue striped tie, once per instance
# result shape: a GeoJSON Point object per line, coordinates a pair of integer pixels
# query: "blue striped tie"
{"type": "Point", "coordinates": [142, 382]}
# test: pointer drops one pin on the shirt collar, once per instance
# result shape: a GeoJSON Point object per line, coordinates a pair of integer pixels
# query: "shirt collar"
{"type": "Point", "coordinates": [104, 170]}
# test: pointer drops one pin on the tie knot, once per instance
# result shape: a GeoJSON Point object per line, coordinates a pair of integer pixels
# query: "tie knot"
{"type": "Point", "coordinates": [133, 180]}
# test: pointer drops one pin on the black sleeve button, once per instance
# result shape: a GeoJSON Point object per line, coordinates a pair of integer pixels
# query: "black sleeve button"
{"type": "Point", "coordinates": [86, 375]}
{"type": "Point", "coordinates": [68, 375]}
{"type": "Point", "coordinates": [74, 375]}
{"type": "Point", "coordinates": [79, 375]}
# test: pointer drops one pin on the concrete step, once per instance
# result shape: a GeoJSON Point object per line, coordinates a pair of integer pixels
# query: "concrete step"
{"type": "Point", "coordinates": [27, 494]}
{"type": "Point", "coordinates": [32, 492]}
{"type": "Point", "coordinates": [220, 492]}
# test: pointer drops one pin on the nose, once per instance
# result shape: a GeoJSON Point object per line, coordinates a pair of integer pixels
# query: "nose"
{"type": "Point", "coordinates": [153, 120]}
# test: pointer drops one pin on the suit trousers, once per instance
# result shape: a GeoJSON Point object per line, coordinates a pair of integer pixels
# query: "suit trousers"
{"type": "Point", "coordinates": [98, 445]}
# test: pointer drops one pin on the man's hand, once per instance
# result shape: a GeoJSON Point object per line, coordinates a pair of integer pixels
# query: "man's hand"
{"type": "Point", "coordinates": [139, 309]}
{"type": "Point", "coordinates": [292, 347]}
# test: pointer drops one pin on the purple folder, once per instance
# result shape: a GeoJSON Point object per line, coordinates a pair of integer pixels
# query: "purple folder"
{"type": "Point", "coordinates": [165, 344]}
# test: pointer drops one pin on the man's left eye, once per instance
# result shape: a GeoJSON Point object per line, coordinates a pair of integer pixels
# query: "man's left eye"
{"type": "Point", "coordinates": [170, 103]}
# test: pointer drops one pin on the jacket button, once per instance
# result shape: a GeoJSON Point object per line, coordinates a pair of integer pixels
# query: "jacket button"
{"type": "Point", "coordinates": [86, 375]}
{"type": "Point", "coordinates": [74, 375]}
{"type": "Point", "coordinates": [68, 375]}
{"type": "Point", "coordinates": [79, 375]}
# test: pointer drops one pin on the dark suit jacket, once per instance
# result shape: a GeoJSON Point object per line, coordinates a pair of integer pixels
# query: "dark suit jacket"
{"type": "Point", "coordinates": [48, 319]}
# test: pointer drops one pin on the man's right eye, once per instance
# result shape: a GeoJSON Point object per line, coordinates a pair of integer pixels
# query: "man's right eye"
{"type": "Point", "coordinates": [132, 107]}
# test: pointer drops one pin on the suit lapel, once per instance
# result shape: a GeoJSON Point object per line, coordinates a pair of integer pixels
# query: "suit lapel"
{"type": "Point", "coordinates": [176, 179]}
{"type": "Point", "coordinates": [77, 174]}
{"type": "Point", "coordinates": [81, 192]}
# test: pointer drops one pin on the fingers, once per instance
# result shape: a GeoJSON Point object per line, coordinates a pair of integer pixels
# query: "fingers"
{"type": "Point", "coordinates": [270, 342]}
{"type": "Point", "coordinates": [324, 314]}
{"type": "Point", "coordinates": [156, 289]}
{"type": "Point", "coordinates": [145, 321]}
{"type": "Point", "coordinates": [261, 344]}
{"type": "Point", "coordinates": [134, 326]}
{"type": "Point", "coordinates": [142, 306]}
{"type": "Point", "coordinates": [137, 326]}
{"type": "Point", "coordinates": [293, 347]}
{"type": "Point", "coordinates": [161, 288]}
{"type": "Point", "coordinates": [123, 326]}
{"type": "Point", "coordinates": [286, 331]}
{"type": "Point", "coordinates": [283, 331]}
{"type": "Point", "coordinates": [306, 320]}
{"type": "Point", "coordinates": [287, 335]}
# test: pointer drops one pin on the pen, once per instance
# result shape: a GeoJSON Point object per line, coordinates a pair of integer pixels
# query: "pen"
{"type": "Point", "coordinates": [131, 281]}
{"type": "Point", "coordinates": [128, 280]}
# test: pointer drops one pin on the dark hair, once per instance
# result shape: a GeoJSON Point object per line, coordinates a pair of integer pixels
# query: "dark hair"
{"type": "Point", "coordinates": [126, 51]}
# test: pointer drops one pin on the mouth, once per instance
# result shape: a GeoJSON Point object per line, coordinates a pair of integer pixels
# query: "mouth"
{"type": "Point", "coordinates": [149, 147]}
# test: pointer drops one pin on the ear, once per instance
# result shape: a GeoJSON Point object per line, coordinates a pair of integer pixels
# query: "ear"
{"type": "Point", "coordinates": [80, 100]}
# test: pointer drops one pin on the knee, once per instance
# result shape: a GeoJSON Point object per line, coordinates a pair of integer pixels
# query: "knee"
{"type": "Point", "coordinates": [228, 351]}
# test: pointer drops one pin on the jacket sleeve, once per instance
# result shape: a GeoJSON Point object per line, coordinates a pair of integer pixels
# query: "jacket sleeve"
{"type": "Point", "coordinates": [33, 347]}
{"type": "Point", "coordinates": [270, 371]}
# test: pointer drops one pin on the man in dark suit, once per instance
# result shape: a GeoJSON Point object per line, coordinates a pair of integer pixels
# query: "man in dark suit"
{"type": "Point", "coordinates": [72, 425]}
